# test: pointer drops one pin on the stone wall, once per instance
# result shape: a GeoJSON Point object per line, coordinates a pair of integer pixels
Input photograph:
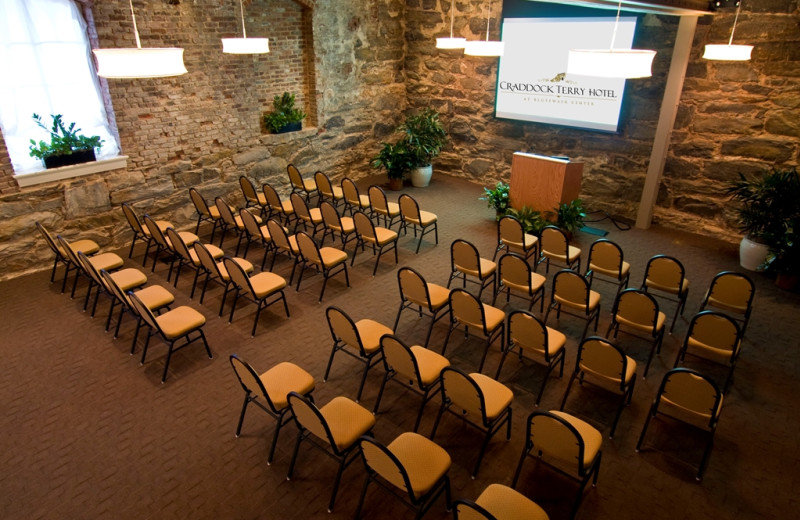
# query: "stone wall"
{"type": "Point", "coordinates": [733, 116]}
{"type": "Point", "coordinates": [203, 129]}
{"type": "Point", "coordinates": [356, 66]}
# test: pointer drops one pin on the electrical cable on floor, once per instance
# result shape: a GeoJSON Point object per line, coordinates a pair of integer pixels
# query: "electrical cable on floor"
{"type": "Point", "coordinates": [622, 226]}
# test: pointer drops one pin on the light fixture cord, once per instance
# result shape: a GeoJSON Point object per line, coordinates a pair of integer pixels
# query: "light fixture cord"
{"type": "Point", "coordinates": [736, 19]}
{"type": "Point", "coordinates": [241, 10]}
{"type": "Point", "coordinates": [616, 24]}
{"type": "Point", "coordinates": [452, 15]}
{"type": "Point", "coordinates": [488, 18]}
{"type": "Point", "coordinates": [135, 30]}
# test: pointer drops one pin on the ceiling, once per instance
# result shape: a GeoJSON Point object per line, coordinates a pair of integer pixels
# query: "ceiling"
{"type": "Point", "coordinates": [669, 7]}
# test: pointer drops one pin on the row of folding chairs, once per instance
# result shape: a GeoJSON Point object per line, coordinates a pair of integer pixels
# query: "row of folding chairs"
{"type": "Point", "coordinates": [127, 290]}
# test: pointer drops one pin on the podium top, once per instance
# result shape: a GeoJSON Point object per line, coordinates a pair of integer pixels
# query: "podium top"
{"type": "Point", "coordinates": [543, 157]}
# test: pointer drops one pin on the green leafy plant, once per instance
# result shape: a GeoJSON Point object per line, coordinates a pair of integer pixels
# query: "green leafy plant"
{"type": "Point", "coordinates": [395, 158]}
{"type": "Point", "coordinates": [64, 139]}
{"type": "Point", "coordinates": [424, 136]}
{"type": "Point", "coordinates": [284, 113]}
{"type": "Point", "coordinates": [766, 204]}
{"type": "Point", "coordinates": [570, 215]}
{"type": "Point", "coordinates": [532, 221]}
{"type": "Point", "coordinates": [497, 198]}
{"type": "Point", "coordinates": [784, 254]}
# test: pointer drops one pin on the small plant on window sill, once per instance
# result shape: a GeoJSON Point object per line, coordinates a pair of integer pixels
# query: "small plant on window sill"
{"type": "Point", "coordinates": [66, 145]}
{"type": "Point", "coordinates": [285, 117]}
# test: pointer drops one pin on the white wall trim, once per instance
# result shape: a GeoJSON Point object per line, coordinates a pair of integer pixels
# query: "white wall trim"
{"type": "Point", "coordinates": [67, 172]}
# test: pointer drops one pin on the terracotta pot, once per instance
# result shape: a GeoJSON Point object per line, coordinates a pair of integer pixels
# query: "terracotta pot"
{"type": "Point", "coordinates": [786, 281]}
{"type": "Point", "coordinates": [396, 184]}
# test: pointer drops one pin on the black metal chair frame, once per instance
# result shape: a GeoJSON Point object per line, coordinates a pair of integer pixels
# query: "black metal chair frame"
{"type": "Point", "coordinates": [405, 303]}
{"type": "Point", "coordinates": [261, 303]}
{"type": "Point", "coordinates": [320, 268]}
{"type": "Point", "coordinates": [591, 315]}
{"type": "Point", "coordinates": [375, 250]}
{"type": "Point", "coordinates": [455, 273]}
{"type": "Point", "coordinates": [656, 338]}
{"type": "Point", "coordinates": [491, 337]}
{"type": "Point", "coordinates": [736, 350]}
{"type": "Point", "coordinates": [533, 296]}
{"type": "Point", "coordinates": [621, 282]}
{"type": "Point", "coordinates": [680, 298]}
{"type": "Point", "coordinates": [423, 230]}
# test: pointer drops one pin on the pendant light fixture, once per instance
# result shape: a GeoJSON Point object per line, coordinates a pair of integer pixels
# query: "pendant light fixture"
{"type": "Point", "coordinates": [451, 42]}
{"type": "Point", "coordinates": [245, 45]}
{"type": "Point", "coordinates": [611, 62]}
{"type": "Point", "coordinates": [729, 52]}
{"type": "Point", "coordinates": [138, 62]}
{"type": "Point", "coordinates": [485, 47]}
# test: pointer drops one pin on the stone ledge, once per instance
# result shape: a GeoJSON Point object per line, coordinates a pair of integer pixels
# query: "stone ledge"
{"type": "Point", "coordinates": [67, 172]}
{"type": "Point", "coordinates": [288, 137]}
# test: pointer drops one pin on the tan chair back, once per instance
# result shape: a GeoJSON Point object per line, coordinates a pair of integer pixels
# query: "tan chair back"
{"type": "Point", "coordinates": [382, 462]}
{"type": "Point", "coordinates": [273, 199]}
{"type": "Point", "coordinates": [309, 417]}
{"type": "Point", "coordinates": [251, 225]}
{"type": "Point", "coordinates": [510, 232]}
{"type": "Point", "coordinates": [554, 241]}
{"type": "Point", "coordinates": [49, 239]}
{"type": "Point", "coordinates": [143, 312]}
{"type": "Point", "coordinates": [689, 396]}
{"type": "Point", "coordinates": [515, 272]}
{"type": "Point", "coordinates": [248, 190]}
{"type": "Point", "coordinates": [637, 308]}
{"type": "Point", "coordinates": [343, 328]}
{"type": "Point", "coordinates": [413, 287]}
{"type": "Point", "coordinates": [364, 226]}
{"type": "Point", "coordinates": [350, 191]}
{"type": "Point", "coordinates": [300, 207]}
{"type": "Point", "coordinates": [603, 360]}
{"type": "Point", "coordinates": [308, 248]}
{"type": "Point", "coordinates": [556, 438]}
{"type": "Point", "coordinates": [239, 276]}
{"type": "Point", "coordinates": [664, 273]}
{"type": "Point", "coordinates": [399, 356]}
{"type": "Point", "coordinates": [528, 332]}
{"type": "Point", "coordinates": [295, 177]}
{"type": "Point", "coordinates": [67, 251]}
{"type": "Point", "coordinates": [463, 392]}
{"type": "Point", "coordinates": [731, 291]}
{"type": "Point", "coordinates": [715, 330]}
{"type": "Point", "coordinates": [279, 236]}
{"type": "Point", "coordinates": [377, 199]}
{"type": "Point", "coordinates": [467, 309]}
{"type": "Point", "coordinates": [179, 246]}
{"type": "Point", "coordinates": [225, 212]}
{"type": "Point", "coordinates": [465, 257]}
{"type": "Point", "coordinates": [132, 218]}
{"type": "Point", "coordinates": [330, 216]}
{"type": "Point", "coordinates": [605, 256]}
{"type": "Point", "coordinates": [249, 378]}
{"type": "Point", "coordinates": [115, 289]}
{"type": "Point", "coordinates": [199, 202]}
{"type": "Point", "coordinates": [323, 184]}
{"type": "Point", "coordinates": [409, 208]}
{"type": "Point", "coordinates": [571, 288]}
{"type": "Point", "coordinates": [156, 233]}
{"type": "Point", "coordinates": [206, 259]}
{"type": "Point", "coordinates": [89, 268]}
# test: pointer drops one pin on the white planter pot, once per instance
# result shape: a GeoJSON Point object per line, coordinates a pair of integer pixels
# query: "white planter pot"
{"type": "Point", "coordinates": [421, 177]}
{"type": "Point", "coordinates": [752, 254]}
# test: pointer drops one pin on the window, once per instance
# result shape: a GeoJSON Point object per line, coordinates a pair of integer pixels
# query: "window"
{"type": "Point", "coordinates": [47, 68]}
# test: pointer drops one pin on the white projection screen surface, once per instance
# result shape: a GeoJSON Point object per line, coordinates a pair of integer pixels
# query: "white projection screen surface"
{"type": "Point", "coordinates": [532, 81]}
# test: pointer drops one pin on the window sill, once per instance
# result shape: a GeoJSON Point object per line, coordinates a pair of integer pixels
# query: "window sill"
{"type": "Point", "coordinates": [67, 172]}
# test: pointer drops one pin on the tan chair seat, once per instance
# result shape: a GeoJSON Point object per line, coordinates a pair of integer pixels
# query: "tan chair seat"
{"type": "Point", "coordinates": [384, 236]}
{"type": "Point", "coordinates": [426, 218]}
{"type": "Point", "coordinates": [718, 355]}
{"type": "Point", "coordinates": [673, 290]}
{"type": "Point", "coordinates": [439, 295]}
{"type": "Point", "coordinates": [496, 395]}
{"type": "Point", "coordinates": [425, 461]}
{"type": "Point", "coordinates": [107, 261]}
{"type": "Point", "coordinates": [348, 226]}
{"type": "Point", "coordinates": [371, 332]}
{"type": "Point", "coordinates": [332, 256]}
{"type": "Point", "coordinates": [626, 267]}
{"type": "Point", "coordinates": [266, 283]}
{"type": "Point", "coordinates": [262, 200]}
{"type": "Point", "coordinates": [162, 225]}
{"type": "Point", "coordinates": [494, 316]}
{"type": "Point", "coordinates": [592, 439]}
{"type": "Point", "coordinates": [85, 246]}
{"type": "Point", "coordinates": [284, 378]}
{"type": "Point", "coordinates": [129, 278]}
{"type": "Point", "coordinates": [572, 252]}
{"type": "Point", "coordinates": [179, 321]}
{"type": "Point", "coordinates": [286, 207]}
{"type": "Point", "coordinates": [363, 201]}
{"type": "Point", "coordinates": [506, 503]}
{"type": "Point", "coordinates": [293, 244]}
{"type": "Point", "coordinates": [529, 242]}
{"type": "Point", "coordinates": [556, 340]}
{"type": "Point", "coordinates": [536, 282]}
{"type": "Point", "coordinates": [430, 363]}
{"type": "Point", "coordinates": [187, 237]}
{"type": "Point", "coordinates": [337, 194]}
{"type": "Point", "coordinates": [316, 215]}
{"type": "Point", "coordinates": [612, 383]}
{"type": "Point", "coordinates": [727, 306]}
{"type": "Point", "coordinates": [347, 421]}
{"type": "Point", "coordinates": [646, 327]}
{"type": "Point", "coordinates": [309, 184]}
{"type": "Point", "coordinates": [594, 300]}
{"type": "Point", "coordinates": [392, 209]}
{"type": "Point", "coordinates": [214, 212]}
{"type": "Point", "coordinates": [223, 271]}
{"type": "Point", "coordinates": [487, 268]}
{"type": "Point", "coordinates": [265, 233]}
{"type": "Point", "coordinates": [155, 297]}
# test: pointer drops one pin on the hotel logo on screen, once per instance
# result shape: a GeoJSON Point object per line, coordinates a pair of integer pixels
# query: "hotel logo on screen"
{"type": "Point", "coordinates": [552, 87]}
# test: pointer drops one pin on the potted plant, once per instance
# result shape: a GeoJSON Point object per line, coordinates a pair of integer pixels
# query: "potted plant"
{"type": "Point", "coordinates": [497, 198]}
{"type": "Point", "coordinates": [532, 221]}
{"type": "Point", "coordinates": [396, 159]}
{"type": "Point", "coordinates": [285, 117]}
{"type": "Point", "coordinates": [570, 216]}
{"type": "Point", "coordinates": [767, 204]}
{"type": "Point", "coordinates": [66, 145]}
{"type": "Point", "coordinates": [784, 256]}
{"type": "Point", "coordinates": [424, 137]}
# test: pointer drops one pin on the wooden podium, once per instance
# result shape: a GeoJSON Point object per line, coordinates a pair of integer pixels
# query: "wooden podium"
{"type": "Point", "coordinates": [542, 182]}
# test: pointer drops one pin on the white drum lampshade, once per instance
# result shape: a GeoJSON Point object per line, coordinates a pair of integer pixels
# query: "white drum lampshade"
{"type": "Point", "coordinates": [611, 63]}
{"type": "Point", "coordinates": [140, 63]}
